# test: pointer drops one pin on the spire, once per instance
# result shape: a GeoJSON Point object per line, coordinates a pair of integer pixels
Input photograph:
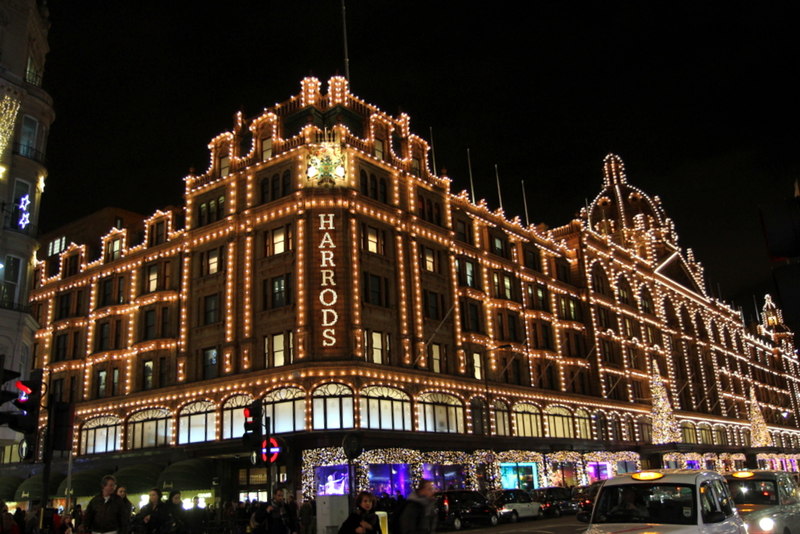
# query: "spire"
{"type": "Point", "coordinates": [613, 171]}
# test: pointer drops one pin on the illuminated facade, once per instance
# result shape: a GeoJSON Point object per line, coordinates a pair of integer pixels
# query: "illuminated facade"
{"type": "Point", "coordinates": [26, 113]}
{"type": "Point", "coordinates": [320, 266]}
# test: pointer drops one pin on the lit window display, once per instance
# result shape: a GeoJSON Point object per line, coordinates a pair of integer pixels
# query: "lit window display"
{"type": "Point", "coordinates": [389, 479]}
{"type": "Point", "coordinates": [523, 475]}
{"type": "Point", "coordinates": [445, 477]}
{"type": "Point", "coordinates": [332, 480]}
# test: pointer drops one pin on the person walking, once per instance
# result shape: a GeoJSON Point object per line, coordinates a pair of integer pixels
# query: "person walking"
{"type": "Point", "coordinates": [153, 515]}
{"type": "Point", "coordinates": [107, 513]}
{"type": "Point", "coordinates": [363, 520]}
{"type": "Point", "coordinates": [279, 521]}
{"type": "Point", "coordinates": [418, 515]}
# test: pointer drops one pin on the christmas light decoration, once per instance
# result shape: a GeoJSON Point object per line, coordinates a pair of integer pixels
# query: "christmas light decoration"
{"type": "Point", "coordinates": [759, 434]}
{"type": "Point", "coordinates": [665, 427]}
{"type": "Point", "coordinates": [9, 107]}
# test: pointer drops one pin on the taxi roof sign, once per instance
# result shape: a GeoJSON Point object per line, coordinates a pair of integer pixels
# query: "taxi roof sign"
{"type": "Point", "coordinates": [647, 475]}
{"type": "Point", "coordinates": [743, 474]}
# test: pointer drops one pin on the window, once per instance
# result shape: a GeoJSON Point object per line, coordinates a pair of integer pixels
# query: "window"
{"type": "Point", "coordinates": [463, 231]}
{"type": "Point", "coordinates": [569, 308]}
{"type": "Point", "coordinates": [477, 366]}
{"type": "Point", "coordinates": [275, 187]}
{"type": "Point", "coordinates": [436, 354]}
{"type": "Point", "coordinates": [374, 240]}
{"type": "Point", "coordinates": [151, 278]}
{"type": "Point", "coordinates": [197, 423]}
{"type": "Point", "coordinates": [279, 349]}
{"type": "Point", "coordinates": [211, 313]}
{"type": "Point", "coordinates": [103, 336]}
{"type": "Point", "coordinates": [210, 363]}
{"type": "Point", "coordinates": [374, 187]}
{"type": "Point", "coordinates": [266, 148]}
{"type": "Point", "coordinates": [28, 137]}
{"type": "Point", "coordinates": [279, 240]}
{"type": "Point", "coordinates": [211, 210]}
{"type": "Point", "coordinates": [278, 290]}
{"type": "Point", "coordinates": [286, 409]}
{"type": "Point", "coordinates": [439, 412]}
{"type": "Point", "coordinates": [57, 246]}
{"type": "Point", "coordinates": [114, 249]}
{"type": "Point", "coordinates": [60, 347]}
{"type": "Point", "coordinates": [233, 416]}
{"type": "Point", "coordinates": [429, 209]}
{"type": "Point", "coordinates": [430, 259]}
{"type": "Point", "coordinates": [527, 420]}
{"type": "Point", "coordinates": [503, 284]}
{"type": "Point", "coordinates": [149, 428]}
{"type": "Point", "coordinates": [502, 419]}
{"type": "Point", "coordinates": [563, 270]}
{"type": "Point", "coordinates": [71, 265]}
{"type": "Point", "coordinates": [115, 381]}
{"type": "Point", "coordinates": [376, 290]}
{"type": "Point", "coordinates": [378, 145]}
{"type": "Point", "coordinates": [377, 347]}
{"type": "Point", "coordinates": [471, 316]}
{"type": "Point", "coordinates": [583, 424]}
{"type": "Point", "coordinates": [498, 245]}
{"type": "Point", "coordinates": [212, 261]}
{"type": "Point", "coordinates": [532, 259]}
{"type": "Point", "coordinates": [538, 297]}
{"type": "Point", "coordinates": [9, 291]}
{"type": "Point", "coordinates": [147, 374]}
{"type": "Point", "coordinates": [106, 292]}
{"type": "Point", "coordinates": [224, 165]}
{"type": "Point", "coordinates": [101, 434]}
{"type": "Point", "coordinates": [102, 383]}
{"type": "Point", "coordinates": [433, 304]}
{"type": "Point", "coordinates": [156, 233]}
{"type": "Point", "coordinates": [385, 408]}
{"type": "Point", "coordinates": [149, 325]}
{"type": "Point", "coordinates": [559, 422]}
{"type": "Point", "coordinates": [542, 335]}
{"type": "Point", "coordinates": [332, 407]}
{"type": "Point", "coordinates": [467, 271]}
{"type": "Point", "coordinates": [480, 416]}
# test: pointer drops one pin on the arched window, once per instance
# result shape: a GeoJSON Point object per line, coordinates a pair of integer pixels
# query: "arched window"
{"type": "Point", "coordinates": [286, 409]}
{"type": "Point", "coordinates": [688, 432]}
{"type": "Point", "coordinates": [706, 437]}
{"type": "Point", "coordinates": [646, 302]}
{"type": "Point", "coordinates": [615, 428]}
{"type": "Point", "coordinates": [686, 322]}
{"type": "Point", "coordinates": [600, 280]}
{"type": "Point", "coordinates": [624, 291]}
{"type": "Point", "coordinates": [480, 416]}
{"type": "Point", "coordinates": [601, 426]}
{"type": "Point", "coordinates": [439, 412]}
{"type": "Point", "coordinates": [333, 407]}
{"type": "Point", "coordinates": [629, 432]}
{"type": "Point", "coordinates": [559, 422]}
{"type": "Point", "coordinates": [233, 416]}
{"type": "Point", "coordinates": [745, 433]}
{"type": "Point", "coordinates": [502, 420]}
{"type": "Point", "coordinates": [702, 331]}
{"type": "Point", "coordinates": [149, 428]}
{"type": "Point", "coordinates": [645, 429]}
{"type": "Point", "coordinates": [101, 434]}
{"type": "Point", "coordinates": [197, 422]}
{"type": "Point", "coordinates": [670, 316]}
{"type": "Point", "coordinates": [528, 420]}
{"type": "Point", "coordinates": [385, 408]}
{"type": "Point", "coordinates": [583, 424]}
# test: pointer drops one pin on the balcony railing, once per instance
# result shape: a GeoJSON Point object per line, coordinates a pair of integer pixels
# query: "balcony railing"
{"type": "Point", "coordinates": [27, 151]}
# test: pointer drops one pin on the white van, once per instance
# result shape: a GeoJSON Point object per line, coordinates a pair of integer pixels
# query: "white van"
{"type": "Point", "coordinates": [665, 500]}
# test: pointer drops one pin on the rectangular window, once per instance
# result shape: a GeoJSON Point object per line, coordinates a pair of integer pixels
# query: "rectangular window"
{"type": "Point", "coordinates": [151, 278]}
{"type": "Point", "coordinates": [433, 304]}
{"type": "Point", "coordinates": [280, 291]}
{"type": "Point", "coordinates": [163, 372]}
{"type": "Point", "coordinates": [429, 259]}
{"type": "Point", "coordinates": [106, 292]}
{"type": "Point", "coordinates": [279, 347]}
{"type": "Point", "coordinates": [213, 261]}
{"type": "Point", "coordinates": [165, 329]}
{"type": "Point", "coordinates": [266, 148]}
{"type": "Point", "coordinates": [374, 240]}
{"type": "Point", "coordinates": [464, 231]}
{"type": "Point", "coordinates": [60, 347]}
{"type": "Point", "coordinates": [103, 336]}
{"type": "Point", "coordinates": [149, 325]}
{"type": "Point", "coordinates": [467, 271]}
{"type": "Point", "coordinates": [499, 246]}
{"type": "Point", "coordinates": [533, 259]}
{"type": "Point", "coordinates": [211, 313]}
{"type": "Point", "coordinates": [503, 285]}
{"type": "Point", "coordinates": [101, 383]}
{"type": "Point", "coordinates": [437, 357]}
{"type": "Point", "coordinates": [224, 166]}
{"type": "Point", "coordinates": [279, 240]}
{"type": "Point", "coordinates": [471, 316]}
{"type": "Point", "coordinates": [114, 249]}
{"type": "Point", "coordinates": [378, 149]}
{"type": "Point", "coordinates": [477, 366]}
{"type": "Point", "coordinates": [147, 374]}
{"type": "Point", "coordinates": [210, 367]}
{"type": "Point", "coordinates": [121, 290]}
{"type": "Point", "coordinates": [376, 290]}
{"type": "Point", "coordinates": [115, 381]}
{"type": "Point", "coordinates": [376, 347]}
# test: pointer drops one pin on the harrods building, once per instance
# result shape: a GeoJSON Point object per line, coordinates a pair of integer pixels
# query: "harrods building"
{"type": "Point", "coordinates": [321, 266]}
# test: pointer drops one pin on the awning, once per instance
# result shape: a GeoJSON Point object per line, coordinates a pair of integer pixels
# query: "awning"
{"type": "Point", "coordinates": [84, 483]}
{"type": "Point", "coordinates": [138, 478]}
{"type": "Point", "coordinates": [8, 485]}
{"type": "Point", "coordinates": [194, 474]}
{"type": "Point", "coordinates": [31, 488]}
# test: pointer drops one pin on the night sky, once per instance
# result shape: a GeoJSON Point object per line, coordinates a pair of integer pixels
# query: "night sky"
{"type": "Point", "coordinates": [699, 99]}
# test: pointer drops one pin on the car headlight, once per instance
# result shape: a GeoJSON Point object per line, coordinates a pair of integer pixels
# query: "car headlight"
{"type": "Point", "coordinates": [766, 523]}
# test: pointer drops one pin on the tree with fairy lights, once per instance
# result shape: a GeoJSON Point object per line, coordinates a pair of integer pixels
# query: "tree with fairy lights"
{"type": "Point", "coordinates": [759, 435]}
{"type": "Point", "coordinates": [665, 427]}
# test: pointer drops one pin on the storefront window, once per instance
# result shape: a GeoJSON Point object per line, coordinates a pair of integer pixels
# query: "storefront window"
{"type": "Point", "coordinates": [332, 480]}
{"type": "Point", "coordinates": [523, 475]}
{"type": "Point", "coordinates": [286, 409]}
{"type": "Point", "coordinates": [333, 407]}
{"type": "Point", "coordinates": [582, 424]}
{"type": "Point", "coordinates": [564, 474]}
{"type": "Point", "coordinates": [502, 420]}
{"type": "Point", "coordinates": [233, 416]}
{"type": "Point", "coordinates": [598, 471]}
{"type": "Point", "coordinates": [445, 477]}
{"type": "Point", "coordinates": [389, 479]}
{"type": "Point", "coordinates": [149, 428]}
{"type": "Point", "coordinates": [559, 422]}
{"type": "Point", "coordinates": [101, 434]}
{"type": "Point", "coordinates": [197, 422]}
{"type": "Point", "coordinates": [385, 408]}
{"type": "Point", "coordinates": [439, 412]}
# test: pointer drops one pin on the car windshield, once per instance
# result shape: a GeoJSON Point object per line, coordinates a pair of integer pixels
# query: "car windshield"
{"type": "Point", "coordinates": [647, 503]}
{"type": "Point", "coordinates": [753, 491]}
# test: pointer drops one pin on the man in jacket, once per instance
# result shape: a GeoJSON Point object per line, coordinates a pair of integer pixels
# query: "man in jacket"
{"type": "Point", "coordinates": [419, 512]}
{"type": "Point", "coordinates": [107, 513]}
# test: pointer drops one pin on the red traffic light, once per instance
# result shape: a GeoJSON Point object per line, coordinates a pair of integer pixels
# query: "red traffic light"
{"type": "Point", "coordinates": [24, 391]}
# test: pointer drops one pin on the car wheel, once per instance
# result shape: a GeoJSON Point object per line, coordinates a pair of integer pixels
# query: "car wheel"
{"type": "Point", "coordinates": [493, 519]}
{"type": "Point", "coordinates": [514, 517]}
{"type": "Point", "coordinates": [457, 523]}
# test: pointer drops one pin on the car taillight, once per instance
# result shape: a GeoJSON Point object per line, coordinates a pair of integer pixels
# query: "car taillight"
{"type": "Point", "coordinates": [446, 504]}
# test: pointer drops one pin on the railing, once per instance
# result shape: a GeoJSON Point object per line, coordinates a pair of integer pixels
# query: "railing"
{"type": "Point", "coordinates": [27, 151]}
{"type": "Point", "coordinates": [33, 77]}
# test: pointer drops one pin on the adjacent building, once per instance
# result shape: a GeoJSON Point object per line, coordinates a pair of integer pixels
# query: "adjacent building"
{"type": "Point", "coordinates": [320, 267]}
{"type": "Point", "coordinates": [26, 113]}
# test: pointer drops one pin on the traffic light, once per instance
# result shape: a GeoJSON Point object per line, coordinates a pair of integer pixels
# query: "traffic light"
{"type": "Point", "coordinates": [253, 437]}
{"type": "Point", "coordinates": [27, 400]}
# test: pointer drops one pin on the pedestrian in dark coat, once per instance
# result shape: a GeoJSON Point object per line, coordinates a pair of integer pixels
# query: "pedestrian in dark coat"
{"type": "Point", "coordinates": [363, 520]}
{"type": "Point", "coordinates": [107, 512]}
{"type": "Point", "coordinates": [419, 512]}
{"type": "Point", "coordinates": [153, 515]}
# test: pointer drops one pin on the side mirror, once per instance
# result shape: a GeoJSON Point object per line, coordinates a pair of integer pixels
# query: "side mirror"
{"type": "Point", "coordinates": [583, 517]}
{"type": "Point", "coordinates": [714, 517]}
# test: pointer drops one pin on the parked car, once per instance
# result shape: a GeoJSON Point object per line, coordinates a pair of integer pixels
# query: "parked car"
{"type": "Point", "coordinates": [555, 501]}
{"type": "Point", "coordinates": [667, 500]}
{"type": "Point", "coordinates": [459, 507]}
{"type": "Point", "coordinates": [515, 504]}
{"type": "Point", "coordinates": [585, 495]}
{"type": "Point", "coordinates": [766, 500]}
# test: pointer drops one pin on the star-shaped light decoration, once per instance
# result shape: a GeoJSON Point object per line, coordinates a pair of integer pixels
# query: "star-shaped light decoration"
{"type": "Point", "coordinates": [24, 202]}
{"type": "Point", "coordinates": [25, 219]}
